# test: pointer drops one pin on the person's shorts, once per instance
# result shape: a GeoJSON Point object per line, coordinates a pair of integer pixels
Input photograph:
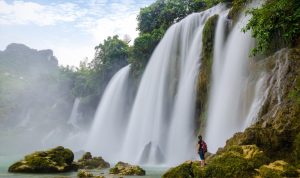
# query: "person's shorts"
{"type": "Point", "coordinates": [201, 154]}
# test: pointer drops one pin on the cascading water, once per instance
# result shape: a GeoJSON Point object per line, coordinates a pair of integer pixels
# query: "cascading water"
{"type": "Point", "coordinates": [108, 128]}
{"type": "Point", "coordinates": [228, 110]}
{"type": "Point", "coordinates": [170, 77]}
{"type": "Point", "coordinates": [74, 114]}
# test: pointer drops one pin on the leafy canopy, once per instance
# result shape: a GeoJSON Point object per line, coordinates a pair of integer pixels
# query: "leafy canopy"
{"type": "Point", "coordinates": [275, 20]}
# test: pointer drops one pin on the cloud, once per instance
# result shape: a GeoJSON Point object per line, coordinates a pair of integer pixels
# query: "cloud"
{"type": "Point", "coordinates": [21, 13]}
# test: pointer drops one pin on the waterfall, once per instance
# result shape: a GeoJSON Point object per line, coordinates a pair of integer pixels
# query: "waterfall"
{"type": "Point", "coordinates": [165, 101]}
{"type": "Point", "coordinates": [230, 108]}
{"type": "Point", "coordinates": [106, 135]}
{"type": "Point", "coordinates": [160, 127]}
{"type": "Point", "coordinates": [73, 120]}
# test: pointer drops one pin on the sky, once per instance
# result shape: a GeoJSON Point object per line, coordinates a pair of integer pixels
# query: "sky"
{"type": "Point", "coordinates": [71, 28]}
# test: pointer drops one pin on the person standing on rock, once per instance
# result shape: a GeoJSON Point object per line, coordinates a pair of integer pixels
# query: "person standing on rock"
{"type": "Point", "coordinates": [202, 149]}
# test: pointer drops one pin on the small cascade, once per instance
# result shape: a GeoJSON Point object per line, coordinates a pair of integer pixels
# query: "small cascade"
{"type": "Point", "coordinates": [73, 120]}
{"type": "Point", "coordinates": [107, 132]}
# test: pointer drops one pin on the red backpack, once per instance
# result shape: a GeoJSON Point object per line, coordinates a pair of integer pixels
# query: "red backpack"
{"type": "Point", "coordinates": [204, 146]}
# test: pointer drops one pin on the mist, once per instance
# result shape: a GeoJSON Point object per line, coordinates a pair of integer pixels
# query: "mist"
{"type": "Point", "coordinates": [36, 102]}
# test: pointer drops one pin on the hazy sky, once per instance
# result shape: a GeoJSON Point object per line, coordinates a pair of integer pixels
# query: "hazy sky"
{"type": "Point", "coordinates": [71, 28]}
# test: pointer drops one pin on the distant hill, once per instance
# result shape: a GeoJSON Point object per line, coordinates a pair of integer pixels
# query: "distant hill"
{"type": "Point", "coordinates": [22, 60]}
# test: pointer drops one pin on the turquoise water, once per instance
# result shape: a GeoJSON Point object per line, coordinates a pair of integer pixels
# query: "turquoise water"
{"type": "Point", "coordinates": [150, 173]}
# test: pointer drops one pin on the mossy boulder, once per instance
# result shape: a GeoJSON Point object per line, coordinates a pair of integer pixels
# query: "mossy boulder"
{"type": "Point", "coordinates": [86, 174]}
{"type": "Point", "coordinates": [122, 168]}
{"type": "Point", "coordinates": [89, 162]}
{"type": "Point", "coordinates": [55, 160]}
{"type": "Point", "coordinates": [278, 169]}
{"type": "Point", "coordinates": [236, 161]}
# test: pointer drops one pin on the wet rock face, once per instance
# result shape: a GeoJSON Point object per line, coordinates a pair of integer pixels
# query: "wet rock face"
{"type": "Point", "coordinates": [89, 162]}
{"type": "Point", "coordinates": [122, 168]}
{"type": "Point", "coordinates": [55, 160]}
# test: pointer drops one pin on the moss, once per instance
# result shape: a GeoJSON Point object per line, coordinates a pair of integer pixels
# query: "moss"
{"type": "Point", "coordinates": [278, 169]}
{"type": "Point", "coordinates": [203, 83]}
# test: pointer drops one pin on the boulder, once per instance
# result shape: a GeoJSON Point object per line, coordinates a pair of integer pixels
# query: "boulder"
{"type": "Point", "coordinates": [55, 160]}
{"type": "Point", "coordinates": [127, 169]}
{"type": "Point", "coordinates": [89, 162]}
{"type": "Point", "coordinates": [85, 174]}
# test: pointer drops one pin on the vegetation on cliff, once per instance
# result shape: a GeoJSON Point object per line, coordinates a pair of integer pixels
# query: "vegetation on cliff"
{"type": "Point", "coordinates": [275, 25]}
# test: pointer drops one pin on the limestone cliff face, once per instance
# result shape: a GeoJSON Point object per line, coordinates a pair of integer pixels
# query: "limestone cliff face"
{"type": "Point", "coordinates": [279, 121]}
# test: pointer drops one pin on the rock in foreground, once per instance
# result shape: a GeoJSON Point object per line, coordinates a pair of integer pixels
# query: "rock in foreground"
{"type": "Point", "coordinates": [127, 169]}
{"type": "Point", "coordinates": [89, 162]}
{"type": "Point", "coordinates": [55, 160]}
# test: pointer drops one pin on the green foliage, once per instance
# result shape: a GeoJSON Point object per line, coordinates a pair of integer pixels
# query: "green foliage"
{"type": "Point", "coordinates": [163, 13]}
{"type": "Point", "coordinates": [110, 56]}
{"type": "Point", "coordinates": [274, 25]}
{"type": "Point", "coordinates": [111, 53]}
